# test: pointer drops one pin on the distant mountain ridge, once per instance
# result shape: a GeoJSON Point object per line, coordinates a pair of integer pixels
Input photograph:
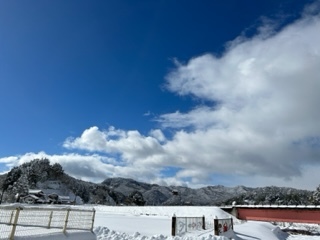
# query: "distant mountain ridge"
{"type": "Point", "coordinates": [125, 191]}
{"type": "Point", "coordinates": [154, 194]}
{"type": "Point", "coordinates": [165, 195]}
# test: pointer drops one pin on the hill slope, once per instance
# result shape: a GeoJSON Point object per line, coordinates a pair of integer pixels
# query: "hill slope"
{"type": "Point", "coordinates": [39, 174]}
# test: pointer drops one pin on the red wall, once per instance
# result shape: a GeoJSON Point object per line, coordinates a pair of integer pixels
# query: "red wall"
{"type": "Point", "coordinates": [280, 214]}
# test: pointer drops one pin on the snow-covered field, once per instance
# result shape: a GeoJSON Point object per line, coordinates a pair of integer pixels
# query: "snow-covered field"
{"type": "Point", "coordinates": [146, 223]}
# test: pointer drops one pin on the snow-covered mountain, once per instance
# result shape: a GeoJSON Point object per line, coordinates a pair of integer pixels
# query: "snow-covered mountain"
{"type": "Point", "coordinates": [155, 194]}
{"type": "Point", "coordinates": [39, 174]}
{"type": "Point", "coordinates": [211, 195]}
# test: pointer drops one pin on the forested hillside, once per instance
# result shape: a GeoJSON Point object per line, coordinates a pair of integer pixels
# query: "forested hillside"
{"type": "Point", "coordinates": [121, 191]}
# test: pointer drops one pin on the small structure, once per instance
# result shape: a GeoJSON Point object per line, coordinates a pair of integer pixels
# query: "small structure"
{"type": "Point", "coordinates": [32, 199]}
{"type": "Point", "coordinates": [64, 199]}
{"type": "Point", "coordinates": [175, 192]}
{"type": "Point", "coordinates": [53, 198]}
{"type": "Point", "coordinates": [36, 192]}
{"type": "Point", "coordinates": [38, 196]}
{"type": "Point", "coordinates": [34, 196]}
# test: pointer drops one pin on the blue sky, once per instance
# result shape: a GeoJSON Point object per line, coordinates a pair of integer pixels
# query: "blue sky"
{"type": "Point", "coordinates": [170, 92]}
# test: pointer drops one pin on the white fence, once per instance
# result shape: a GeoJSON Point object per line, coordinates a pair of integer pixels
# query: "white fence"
{"type": "Point", "coordinates": [16, 220]}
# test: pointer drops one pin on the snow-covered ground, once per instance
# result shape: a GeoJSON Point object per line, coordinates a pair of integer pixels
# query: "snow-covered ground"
{"type": "Point", "coordinates": [146, 223]}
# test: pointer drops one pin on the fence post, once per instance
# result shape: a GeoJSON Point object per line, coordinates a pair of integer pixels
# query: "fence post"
{"type": "Point", "coordinates": [203, 222]}
{"type": "Point", "coordinates": [11, 217]}
{"type": "Point", "coordinates": [173, 228]}
{"type": "Point", "coordinates": [232, 223]}
{"type": "Point", "coordinates": [50, 219]}
{"type": "Point", "coordinates": [93, 216]}
{"type": "Point", "coordinates": [14, 225]}
{"type": "Point", "coordinates": [66, 221]}
{"type": "Point", "coordinates": [216, 226]}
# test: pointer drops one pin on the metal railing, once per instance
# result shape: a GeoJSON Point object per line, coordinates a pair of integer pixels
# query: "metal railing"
{"type": "Point", "coordinates": [16, 220]}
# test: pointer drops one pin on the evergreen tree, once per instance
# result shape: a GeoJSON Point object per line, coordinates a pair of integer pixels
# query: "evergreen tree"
{"type": "Point", "coordinates": [56, 170]}
{"type": "Point", "coordinates": [136, 198]}
{"type": "Point", "coordinates": [11, 178]}
{"type": "Point", "coordinates": [316, 196]}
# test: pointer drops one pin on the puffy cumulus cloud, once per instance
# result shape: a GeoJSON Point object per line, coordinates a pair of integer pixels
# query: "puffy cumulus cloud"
{"type": "Point", "coordinates": [131, 145]}
{"type": "Point", "coordinates": [91, 139]}
{"type": "Point", "coordinates": [87, 167]}
{"type": "Point", "coordinates": [256, 70]}
{"type": "Point", "coordinates": [94, 167]}
{"type": "Point", "coordinates": [262, 117]}
{"type": "Point", "coordinates": [158, 134]}
{"type": "Point", "coordinates": [258, 123]}
{"type": "Point", "coordinates": [259, 119]}
{"type": "Point", "coordinates": [141, 157]}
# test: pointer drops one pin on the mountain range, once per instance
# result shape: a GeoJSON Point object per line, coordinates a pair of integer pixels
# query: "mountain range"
{"type": "Point", "coordinates": [40, 174]}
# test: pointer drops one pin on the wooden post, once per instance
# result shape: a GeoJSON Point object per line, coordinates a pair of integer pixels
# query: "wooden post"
{"type": "Point", "coordinates": [93, 216]}
{"type": "Point", "coordinates": [50, 219]}
{"type": "Point", "coordinates": [11, 217]}
{"type": "Point", "coordinates": [66, 221]}
{"type": "Point", "coordinates": [216, 226]}
{"type": "Point", "coordinates": [14, 225]}
{"type": "Point", "coordinates": [203, 222]}
{"type": "Point", "coordinates": [1, 196]}
{"type": "Point", "coordinates": [232, 223]}
{"type": "Point", "coordinates": [173, 228]}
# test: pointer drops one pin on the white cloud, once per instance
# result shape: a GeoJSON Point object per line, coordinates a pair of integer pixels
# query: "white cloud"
{"type": "Point", "coordinates": [259, 120]}
{"type": "Point", "coordinates": [262, 100]}
{"type": "Point", "coordinates": [158, 134]}
{"type": "Point", "coordinates": [267, 91]}
{"type": "Point", "coordinates": [202, 117]}
{"type": "Point", "coordinates": [132, 146]}
{"type": "Point", "coordinates": [93, 167]}
{"type": "Point", "coordinates": [91, 139]}
{"type": "Point", "coordinates": [312, 9]}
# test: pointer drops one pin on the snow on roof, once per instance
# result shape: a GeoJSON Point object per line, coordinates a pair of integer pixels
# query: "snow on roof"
{"type": "Point", "coordinates": [35, 191]}
{"type": "Point", "coordinates": [274, 206]}
{"type": "Point", "coordinates": [64, 197]}
{"type": "Point", "coordinates": [32, 196]}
